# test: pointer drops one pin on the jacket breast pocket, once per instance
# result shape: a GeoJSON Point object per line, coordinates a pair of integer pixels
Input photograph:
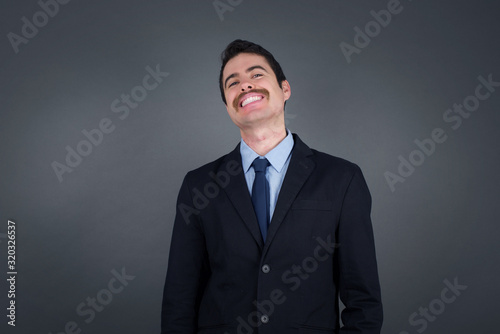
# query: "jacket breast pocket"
{"type": "Point", "coordinates": [316, 205]}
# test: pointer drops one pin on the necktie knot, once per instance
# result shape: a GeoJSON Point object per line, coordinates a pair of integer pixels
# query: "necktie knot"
{"type": "Point", "coordinates": [260, 165]}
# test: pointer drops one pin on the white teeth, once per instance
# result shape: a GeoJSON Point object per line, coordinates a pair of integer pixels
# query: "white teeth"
{"type": "Point", "coordinates": [250, 100]}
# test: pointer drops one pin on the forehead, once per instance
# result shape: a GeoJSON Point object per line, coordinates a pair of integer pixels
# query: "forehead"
{"type": "Point", "coordinates": [242, 62]}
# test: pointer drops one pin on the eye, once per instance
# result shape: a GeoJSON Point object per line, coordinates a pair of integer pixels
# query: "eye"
{"type": "Point", "coordinates": [232, 83]}
{"type": "Point", "coordinates": [257, 75]}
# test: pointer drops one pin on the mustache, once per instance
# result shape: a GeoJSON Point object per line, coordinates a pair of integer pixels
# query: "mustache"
{"type": "Point", "coordinates": [257, 90]}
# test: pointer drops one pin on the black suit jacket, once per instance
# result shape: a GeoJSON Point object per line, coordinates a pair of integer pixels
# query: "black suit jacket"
{"type": "Point", "coordinates": [222, 278]}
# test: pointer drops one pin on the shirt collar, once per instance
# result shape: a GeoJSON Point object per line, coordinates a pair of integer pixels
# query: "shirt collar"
{"type": "Point", "coordinates": [276, 157]}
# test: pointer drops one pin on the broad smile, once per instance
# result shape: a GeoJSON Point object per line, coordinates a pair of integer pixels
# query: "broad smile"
{"type": "Point", "coordinates": [246, 98]}
{"type": "Point", "coordinates": [250, 98]}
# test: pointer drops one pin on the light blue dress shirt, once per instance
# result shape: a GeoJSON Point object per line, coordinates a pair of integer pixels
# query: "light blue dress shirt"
{"type": "Point", "coordinates": [278, 157]}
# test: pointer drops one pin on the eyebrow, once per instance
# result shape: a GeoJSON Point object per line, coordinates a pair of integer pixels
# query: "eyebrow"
{"type": "Point", "coordinates": [250, 69]}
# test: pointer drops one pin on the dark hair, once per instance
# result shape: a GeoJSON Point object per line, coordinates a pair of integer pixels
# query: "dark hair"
{"type": "Point", "coordinates": [240, 46]}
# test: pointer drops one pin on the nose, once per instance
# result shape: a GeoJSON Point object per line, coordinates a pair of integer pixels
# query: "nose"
{"type": "Point", "coordinates": [246, 86]}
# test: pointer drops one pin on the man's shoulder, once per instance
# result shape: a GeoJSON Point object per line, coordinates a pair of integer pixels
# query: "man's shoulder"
{"type": "Point", "coordinates": [333, 160]}
{"type": "Point", "coordinates": [325, 160]}
{"type": "Point", "coordinates": [337, 167]}
{"type": "Point", "coordinates": [229, 163]}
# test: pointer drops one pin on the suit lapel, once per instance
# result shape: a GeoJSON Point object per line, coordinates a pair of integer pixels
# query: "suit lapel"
{"type": "Point", "coordinates": [298, 172]}
{"type": "Point", "coordinates": [237, 192]}
{"type": "Point", "coordinates": [299, 169]}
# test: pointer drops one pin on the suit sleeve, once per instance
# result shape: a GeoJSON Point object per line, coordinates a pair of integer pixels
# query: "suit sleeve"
{"type": "Point", "coordinates": [358, 281]}
{"type": "Point", "coordinates": [187, 268]}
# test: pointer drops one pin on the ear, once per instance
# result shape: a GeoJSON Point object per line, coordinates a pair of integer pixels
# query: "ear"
{"type": "Point", "coordinates": [285, 87]}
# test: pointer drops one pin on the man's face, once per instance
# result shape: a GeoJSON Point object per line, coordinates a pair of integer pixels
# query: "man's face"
{"type": "Point", "coordinates": [254, 97]}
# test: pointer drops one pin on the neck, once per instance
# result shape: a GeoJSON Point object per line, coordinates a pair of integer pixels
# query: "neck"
{"type": "Point", "coordinates": [263, 140]}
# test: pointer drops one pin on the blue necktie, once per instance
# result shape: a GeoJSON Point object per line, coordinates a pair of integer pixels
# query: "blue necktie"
{"type": "Point", "coordinates": [260, 195]}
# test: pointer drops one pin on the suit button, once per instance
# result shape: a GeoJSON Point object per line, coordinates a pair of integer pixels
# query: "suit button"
{"type": "Point", "coordinates": [266, 268]}
{"type": "Point", "coordinates": [264, 319]}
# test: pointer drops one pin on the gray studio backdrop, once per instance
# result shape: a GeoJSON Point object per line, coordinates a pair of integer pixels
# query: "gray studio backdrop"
{"type": "Point", "coordinates": [105, 105]}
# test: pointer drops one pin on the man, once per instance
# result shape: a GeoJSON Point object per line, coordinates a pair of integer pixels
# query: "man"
{"type": "Point", "coordinates": [268, 237]}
